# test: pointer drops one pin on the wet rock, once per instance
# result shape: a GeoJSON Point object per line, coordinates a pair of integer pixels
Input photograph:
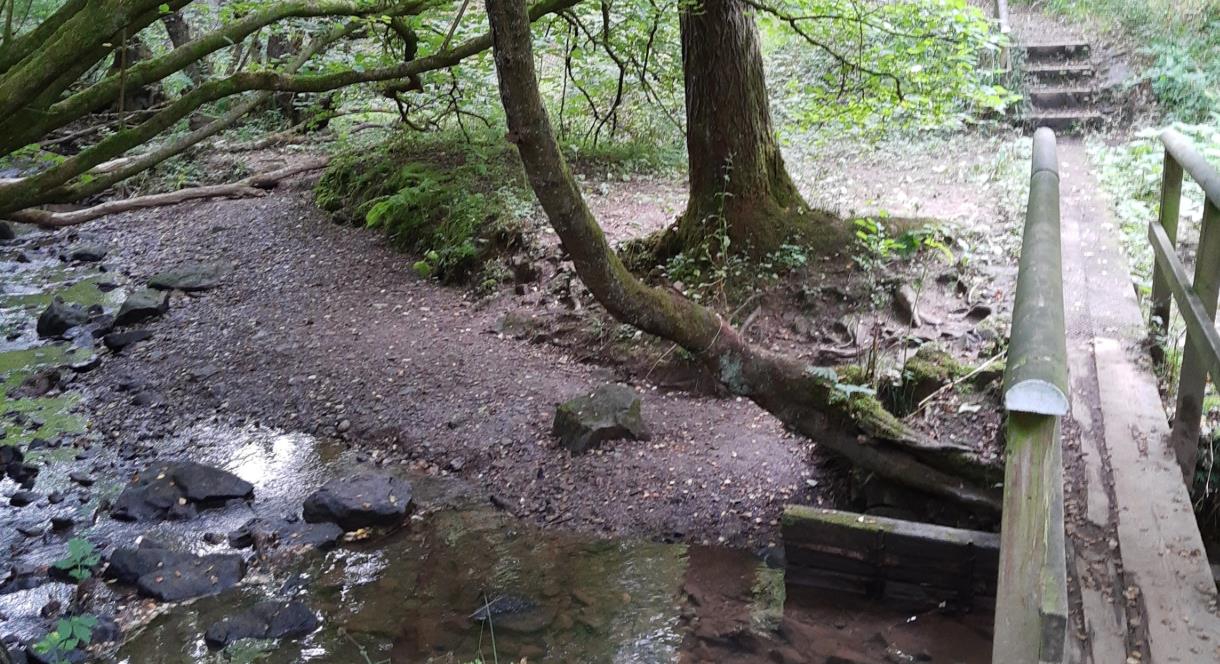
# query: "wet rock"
{"type": "Point", "coordinates": [23, 498]}
{"type": "Point", "coordinates": [266, 620]}
{"type": "Point", "coordinates": [20, 576]}
{"type": "Point", "coordinates": [81, 478]}
{"type": "Point", "coordinates": [117, 341]}
{"type": "Point", "coordinates": [268, 534]}
{"type": "Point", "coordinates": [62, 522]}
{"type": "Point", "coordinates": [31, 529]}
{"type": "Point", "coordinates": [6, 232]}
{"type": "Point", "coordinates": [608, 413]}
{"type": "Point", "coordinates": [38, 384]}
{"type": "Point", "coordinates": [360, 501]}
{"type": "Point", "coordinates": [202, 483]}
{"type": "Point", "coordinates": [172, 576]}
{"type": "Point", "coordinates": [7, 656]}
{"type": "Point", "coordinates": [173, 491]}
{"type": "Point", "coordinates": [22, 473]}
{"type": "Point", "coordinates": [142, 305]}
{"type": "Point", "coordinates": [190, 277]}
{"type": "Point", "coordinates": [87, 252]}
{"type": "Point", "coordinates": [515, 613]}
{"type": "Point", "coordinates": [59, 317]}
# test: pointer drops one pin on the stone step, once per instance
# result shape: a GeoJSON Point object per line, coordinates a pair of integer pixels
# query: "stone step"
{"type": "Point", "coordinates": [1061, 97]}
{"type": "Point", "coordinates": [1064, 122]}
{"type": "Point", "coordinates": [1059, 51]}
{"type": "Point", "coordinates": [1060, 73]}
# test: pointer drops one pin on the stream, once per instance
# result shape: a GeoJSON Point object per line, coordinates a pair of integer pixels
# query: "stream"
{"type": "Point", "coordinates": [464, 581]}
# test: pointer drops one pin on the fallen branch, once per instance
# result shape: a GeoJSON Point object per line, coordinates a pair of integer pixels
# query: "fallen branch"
{"type": "Point", "coordinates": [253, 186]}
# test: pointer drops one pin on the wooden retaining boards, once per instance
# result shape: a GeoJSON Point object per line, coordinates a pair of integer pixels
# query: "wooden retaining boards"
{"type": "Point", "coordinates": [1031, 593]}
{"type": "Point", "coordinates": [904, 562]}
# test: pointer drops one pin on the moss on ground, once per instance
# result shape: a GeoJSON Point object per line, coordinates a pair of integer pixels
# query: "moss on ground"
{"type": "Point", "coordinates": [456, 207]}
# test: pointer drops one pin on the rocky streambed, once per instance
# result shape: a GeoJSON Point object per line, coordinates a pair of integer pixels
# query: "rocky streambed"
{"type": "Point", "coordinates": [214, 538]}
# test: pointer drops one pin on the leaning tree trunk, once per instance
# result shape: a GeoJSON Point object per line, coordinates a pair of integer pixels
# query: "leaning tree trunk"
{"type": "Point", "coordinates": [738, 183]}
{"type": "Point", "coordinates": [804, 398]}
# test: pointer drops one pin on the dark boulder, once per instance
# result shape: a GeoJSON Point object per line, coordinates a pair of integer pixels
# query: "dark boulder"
{"type": "Point", "coordinates": [515, 613]}
{"type": "Point", "coordinates": [205, 484]}
{"type": "Point", "coordinates": [173, 490]}
{"type": "Point", "coordinates": [7, 232]}
{"type": "Point", "coordinates": [59, 317]}
{"type": "Point", "coordinates": [87, 252]}
{"type": "Point", "coordinates": [23, 498]}
{"type": "Point", "coordinates": [172, 576]}
{"type": "Point", "coordinates": [266, 620]}
{"type": "Point", "coordinates": [190, 277]}
{"type": "Point", "coordinates": [610, 412]}
{"type": "Point", "coordinates": [360, 501]}
{"type": "Point", "coordinates": [117, 341]}
{"type": "Point", "coordinates": [265, 534]}
{"type": "Point", "coordinates": [142, 305]}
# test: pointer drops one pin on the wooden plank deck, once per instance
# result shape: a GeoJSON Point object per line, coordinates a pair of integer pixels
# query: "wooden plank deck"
{"type": "Point", "coordinates": [1141, 587]}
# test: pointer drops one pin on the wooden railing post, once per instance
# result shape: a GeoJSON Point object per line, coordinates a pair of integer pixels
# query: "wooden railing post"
{"type": "Point", "coordinates": [1195, 364]}
{"type": "Point", "coordinates": [1171, 200]}
{"type": "Point", "coordinates": [1031, 591]}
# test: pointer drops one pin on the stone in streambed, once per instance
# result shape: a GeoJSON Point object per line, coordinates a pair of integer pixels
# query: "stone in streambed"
{"type": "Point", "coordinates": [172, 576]}
{"type": "Point", "coordinates": [265, 620]}
{"type": "Point", "coordinates": [87, 252]}
{"type": "Point", "coordinates": [142, 305]}
{"type": "Point", "coordinates": [360, 501]}
{"type": "Point", "coordinates": [59, 317]}
{"type": "Point", "coordinates": [190, 277]}
{"type": "Point", "coordinates": [282, 533]}
{"type": "Point", "coordinates": [174, 490]}
{"type": "Point", "coordinates": [117, 341]}
{"type": "Point", "coordinates": [608, 413]}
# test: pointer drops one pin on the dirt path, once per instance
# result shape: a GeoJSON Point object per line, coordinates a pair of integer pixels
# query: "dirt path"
{"type": "Point", "coordinates": [324, 329]}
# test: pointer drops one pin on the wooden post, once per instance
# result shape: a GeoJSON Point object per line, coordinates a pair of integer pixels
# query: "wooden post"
{"type": "Point", "coordinates": [1184, 439]}
{"type": "Point", "coordinates": [1171, 200]}
{"type": "Point", "coordinates": [1031, 592]}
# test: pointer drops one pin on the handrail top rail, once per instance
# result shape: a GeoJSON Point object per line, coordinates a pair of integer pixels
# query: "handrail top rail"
{"type": "Point", "coordinates": [1045, 158]}
{"type": "Point", "coordinates": [1183, 151]}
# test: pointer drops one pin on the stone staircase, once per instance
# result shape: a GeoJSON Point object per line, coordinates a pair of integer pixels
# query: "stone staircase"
{"type": "Point", "coordinates": [1060, 87]}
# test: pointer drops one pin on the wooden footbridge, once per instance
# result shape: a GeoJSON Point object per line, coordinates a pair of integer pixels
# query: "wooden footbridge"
{"type": "Point", "coordinates": [1099, 559]}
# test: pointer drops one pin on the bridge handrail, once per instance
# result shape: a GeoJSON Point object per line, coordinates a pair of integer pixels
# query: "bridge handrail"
{"type": "Point", "coordinates": [1196, 299]}
{"type": "Point", "coordinates": [1031, 591]}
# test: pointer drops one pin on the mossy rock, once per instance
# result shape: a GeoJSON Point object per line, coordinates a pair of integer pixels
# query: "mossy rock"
{"type": "Point", "coordinates": [610, 412]}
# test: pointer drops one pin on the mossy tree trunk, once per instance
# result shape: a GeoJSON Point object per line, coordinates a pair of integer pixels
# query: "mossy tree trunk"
{"type": "Point", "coordinates": [804, 398]}
{"type": "Point", "coordinates": [739, 185]}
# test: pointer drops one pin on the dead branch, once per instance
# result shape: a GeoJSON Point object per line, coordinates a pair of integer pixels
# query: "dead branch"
{"type": "Point", "coordinates": [253, 186]}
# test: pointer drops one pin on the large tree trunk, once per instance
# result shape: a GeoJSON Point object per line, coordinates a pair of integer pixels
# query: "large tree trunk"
{"type": "Point", "coordinates": [179, 32]}
{"type": "Point", "coordinates": [802, 397]}
{"type": "Point", "coordinates": [738, 182]}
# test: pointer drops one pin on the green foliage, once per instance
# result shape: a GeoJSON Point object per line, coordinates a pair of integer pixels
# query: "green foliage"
{"type": "Point", "coordinates": [1179, 41]}
{"type": "Point", "coordinates": [880, 247]}
{"type": "Point", "coordinates": [80, 559]}
{"type": "Point", "coordinates": [70, 634]}
{"type": "Point", "coordinates": [883, 67]}
{"type": "Point", "coordinates": [456, 205]}
{"type": "Point", "coordinates": [1131, 173]}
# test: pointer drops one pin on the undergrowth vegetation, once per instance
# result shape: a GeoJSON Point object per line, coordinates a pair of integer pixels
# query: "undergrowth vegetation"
{"type": "Point", "coordinates": [454, 204]}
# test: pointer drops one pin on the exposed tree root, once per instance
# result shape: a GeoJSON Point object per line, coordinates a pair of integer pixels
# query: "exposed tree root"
{"type": "Point", "coordinates": [808, 400]}
{"type": "Point", "coordinates": [255, 185]}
